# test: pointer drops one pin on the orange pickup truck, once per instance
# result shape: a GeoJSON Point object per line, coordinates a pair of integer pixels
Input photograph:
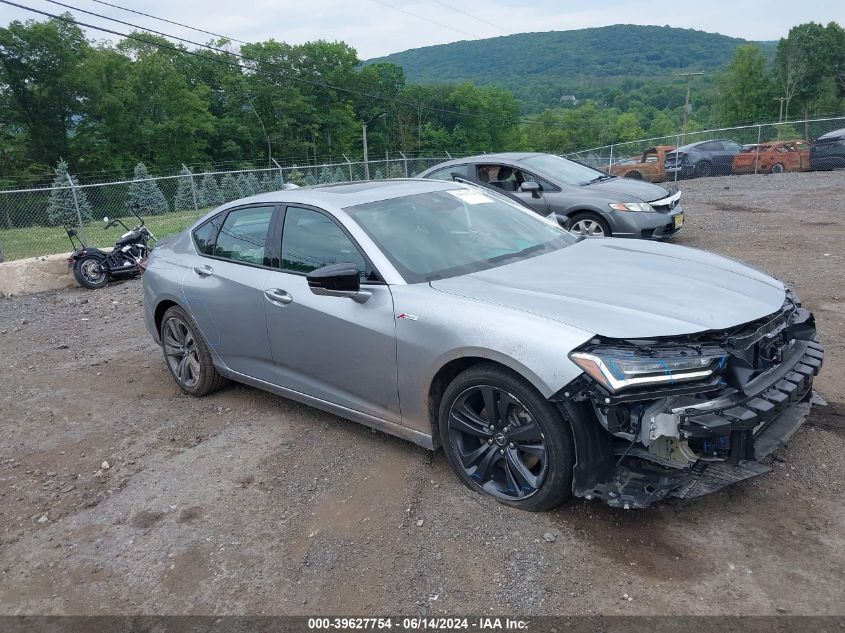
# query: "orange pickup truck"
{"type": "Point", "coordinates": [773, 158]}
{"type": "Point", "coordinates": [649, 166]}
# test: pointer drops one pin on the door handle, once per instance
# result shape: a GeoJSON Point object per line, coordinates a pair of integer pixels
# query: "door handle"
{"type": "Point", "coordinates": [276, 295]}
{"type": "Point", "coordinates": [204, 271]}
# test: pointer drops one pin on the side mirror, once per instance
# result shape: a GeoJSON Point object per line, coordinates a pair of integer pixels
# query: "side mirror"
{"type": "Point", "coordinates": [336, 280]}
{"type": "Point", "coordinates": [106, 219]}
{"type": "Point", "coordinates": [531, 187]}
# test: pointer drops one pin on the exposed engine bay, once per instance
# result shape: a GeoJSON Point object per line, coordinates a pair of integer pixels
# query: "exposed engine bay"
{"type": "Point", "coordinates": [684, 416]}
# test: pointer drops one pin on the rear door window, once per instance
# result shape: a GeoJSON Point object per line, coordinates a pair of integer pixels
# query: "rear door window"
{"type": "Point", "coordinates": [446, 172]}
{"type": "Point", "coordinates": [206, 234]}
{"type": "Point", "coordinates": [243, 236]}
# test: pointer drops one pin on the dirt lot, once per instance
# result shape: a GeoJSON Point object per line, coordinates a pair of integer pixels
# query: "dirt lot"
{"type": "Point", "coordinates": [243, 502]}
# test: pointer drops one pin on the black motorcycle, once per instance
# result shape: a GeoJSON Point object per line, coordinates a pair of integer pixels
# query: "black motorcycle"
{"type": "Point", "coordinates": [94, 268]}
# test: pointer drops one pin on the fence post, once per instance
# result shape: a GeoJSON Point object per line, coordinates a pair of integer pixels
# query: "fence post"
{"type": "Point", "coordinates": [677, 157]}
{"type": "Point", "coordinates": [449, 155]}
{"type": "Point", "coordinates": [405, 160]}
{"type": "Point", "coordinates": [757, 149]}
{"type": "Point", "coordinates": [281, 173]}
{"type": "Point", "coordinates": [193, 189]}
{"type": "Point", "coordinates": [610, 160]}
{"type": "Point", "coordinates": [76, 204]}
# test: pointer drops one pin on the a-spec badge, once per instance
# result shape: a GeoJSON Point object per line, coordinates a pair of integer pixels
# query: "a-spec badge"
{"type": "Point", "coordinates": [410, 317]}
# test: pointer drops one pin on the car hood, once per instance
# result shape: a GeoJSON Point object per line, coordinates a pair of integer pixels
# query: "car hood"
{"type": "Point", "coordinates": [627, 289]}
{"type": "Point", "coordinates": [618, 188]}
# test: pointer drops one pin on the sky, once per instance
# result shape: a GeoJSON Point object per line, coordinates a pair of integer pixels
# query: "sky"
{"type": "Point", "coordinates": [380, 27]}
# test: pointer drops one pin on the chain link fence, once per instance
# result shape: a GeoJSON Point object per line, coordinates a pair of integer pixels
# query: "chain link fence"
{"type": "Point", "coordinates": [33, 221]}
{"type": "Point", "coordinates": [758, 141]}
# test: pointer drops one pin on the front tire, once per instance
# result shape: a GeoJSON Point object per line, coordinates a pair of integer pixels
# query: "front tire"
{"type": "Point", "coordinates": [588, 224]}
{"type": "Point", "coordinates": [90, 273]}
{"type": "Point", "coordinates": [504, 440]}
{"type": "Point", "coordinates": [778, 168]}
{"type": "Point", "coordinates": [186, 354]}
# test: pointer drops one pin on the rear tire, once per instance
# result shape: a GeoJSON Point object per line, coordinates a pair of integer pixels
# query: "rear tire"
{"type": "Point", "coordinates": [526, 459]}
{"type": "Point", "coordinates": [778, 168]}
{"type": "Point", "coordinates": [186, 354]}
{"type": "Point", "coordinates": [590, 224]}
{"type": "Point", "coordinates": [89, 272]}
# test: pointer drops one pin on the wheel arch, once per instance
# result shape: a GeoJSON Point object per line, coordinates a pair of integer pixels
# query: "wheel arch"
{"type": "Point", "coordinates": [449, 368]}
{"type": "Point", "coordinates": [158, 314]}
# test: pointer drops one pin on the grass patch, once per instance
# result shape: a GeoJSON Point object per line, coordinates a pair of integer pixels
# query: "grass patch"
{"type": "Point", "coordinates": [46, 240]}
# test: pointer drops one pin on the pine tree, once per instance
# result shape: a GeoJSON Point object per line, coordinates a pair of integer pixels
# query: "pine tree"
{"type": "Point", "coordinates": [266, 184]}
{"type": "Point", "coordinates": [184, 199]}
{"type": "Point", "coordinates": [295, 177]}
{"type": "Point", "coordinates": [253, 186]}
{"type": "Point", "coordinates": [209, 193]}
{"type": "Point", "coordinates": [229, 188]}
{"type": "Point", "coordinates": [144, 195]}
{"type": "Point", "coordinates": [61, 208]}
{"type": "Point", "coordinates": [244, 186]}
{"type": "Point", "coordinates": [326, 175]}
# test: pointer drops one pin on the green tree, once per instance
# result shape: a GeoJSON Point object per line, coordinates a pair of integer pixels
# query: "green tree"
{"type": "Point", "coordinates": [184, 199]}
{"type": "Point", "coordinates": [229, 188]}
{"type": "Point", "coordinates": [747, 90]}
{"type": "Point", "coordinates": [40, 74]}
{"type": "Point", "coordinates": [209, 193]}
{"type": "Point", "coordinates": [62, 205]}
{"type": "Point", "coordinates": [144, 195]}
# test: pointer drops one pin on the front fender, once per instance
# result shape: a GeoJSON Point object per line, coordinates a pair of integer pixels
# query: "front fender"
{"type": "Point", "coordinates": [438, 327]}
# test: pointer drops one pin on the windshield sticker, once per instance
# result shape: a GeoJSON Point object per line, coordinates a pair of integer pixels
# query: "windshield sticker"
{"type": "Point", "coordinates": [470, 197]}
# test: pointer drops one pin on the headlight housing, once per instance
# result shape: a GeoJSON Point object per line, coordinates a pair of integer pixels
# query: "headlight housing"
{"type": "Point", "coordinates": [617, 368]}
{"type": "Point", "coordinates": [631, 206]}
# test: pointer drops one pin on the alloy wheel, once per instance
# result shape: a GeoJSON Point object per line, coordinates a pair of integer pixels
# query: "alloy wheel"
{"type": "Point", "coordinates": [180, 349]}
{"type": "Point", "coordinates": [92, 271]}
{"type": "Point", "coordinates": [499, 443]}
{"type": "Point", "coordinates": [587, 227]}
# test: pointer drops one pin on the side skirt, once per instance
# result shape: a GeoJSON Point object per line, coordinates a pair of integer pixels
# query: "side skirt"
{"type": "Point", "coordinates": [391, 428]}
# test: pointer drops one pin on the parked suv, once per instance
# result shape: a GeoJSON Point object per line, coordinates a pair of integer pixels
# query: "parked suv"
{"type": "Point", "coordinates": [828, 151]}
{"type": "Point", "coordinates": [705, 158]}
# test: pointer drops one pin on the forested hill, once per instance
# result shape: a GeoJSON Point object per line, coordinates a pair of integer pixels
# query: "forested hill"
{"type": "Point", "coordinates": [539, 67]}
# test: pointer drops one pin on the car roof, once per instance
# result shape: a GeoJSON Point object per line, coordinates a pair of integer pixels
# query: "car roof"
{"type": "Point", "coordinates": [486, 158]}
{"type": "Point", "coordinates": [709, 140]}
{"type": "Point", "coordinates": [347, 194]}
{"type": "Point", "coordinates": [834, 134]}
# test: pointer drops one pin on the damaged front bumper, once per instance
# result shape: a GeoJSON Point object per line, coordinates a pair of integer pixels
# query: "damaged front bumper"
{"type": "Point", "coordinates": [637, 446]}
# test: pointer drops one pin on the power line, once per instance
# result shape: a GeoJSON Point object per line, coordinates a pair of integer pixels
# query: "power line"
{"type": "Point", "coordinates": [177, 49]}
{"type": "Point", "coordinates": [422, 17]}
{"type": "Point", "coordinates": [154, 17]}
{"type": "Point", "coordinates": [469, 15]}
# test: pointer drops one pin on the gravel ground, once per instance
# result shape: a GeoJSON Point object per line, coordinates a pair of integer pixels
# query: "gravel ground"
{"type": "Point", "coordinates": [243, 502]}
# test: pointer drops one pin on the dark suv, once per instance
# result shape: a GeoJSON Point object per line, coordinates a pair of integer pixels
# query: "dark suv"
{"type": "Point", "coordinates": [828, 151]}
{"type": "Point", "coordinates": [705, 158]}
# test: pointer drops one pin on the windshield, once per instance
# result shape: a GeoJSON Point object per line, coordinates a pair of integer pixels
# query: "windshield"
{"type": "Point", "coordinates": [564, 170]}
{"type": "Point", "coordinates": [447, 233]}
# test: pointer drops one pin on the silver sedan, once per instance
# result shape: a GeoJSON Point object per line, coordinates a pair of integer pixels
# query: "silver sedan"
{"type": "Point", "coordinates": [544, 364]}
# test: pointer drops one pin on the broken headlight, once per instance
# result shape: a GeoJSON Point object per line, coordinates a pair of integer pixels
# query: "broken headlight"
{"type": "Point", "coordinates": [620, 367]}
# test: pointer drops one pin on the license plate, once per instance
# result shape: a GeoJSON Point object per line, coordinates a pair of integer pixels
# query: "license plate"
{"type": "Point", "coordinates": [679, 220]}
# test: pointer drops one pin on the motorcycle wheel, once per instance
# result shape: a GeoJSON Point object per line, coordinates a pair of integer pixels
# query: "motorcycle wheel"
{"type": "Point", "coordinates": [89, 273]}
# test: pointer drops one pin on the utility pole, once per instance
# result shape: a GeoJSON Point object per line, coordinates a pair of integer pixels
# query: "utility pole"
{"type": "Point", "coordinates": [364, 131]}
{"type": "Point", "coordinates": [689, 77]}
{"type": "Point", "coordinates": [780, 113]}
